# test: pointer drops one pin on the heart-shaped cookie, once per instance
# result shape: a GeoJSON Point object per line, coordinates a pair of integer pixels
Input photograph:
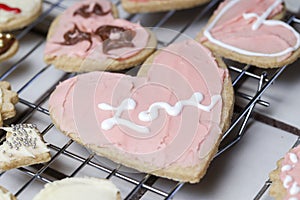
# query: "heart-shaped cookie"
{"type": "Point", "coordinates": [15, 14]}
{"type": "Point", "coordinates": [87, 37]}
{"type": "Point", "coordinates": [140, 6]}
{"type": "Point", "coordinates": [166, 121]}
{"type": "Point", "coordinates": [246, 31]}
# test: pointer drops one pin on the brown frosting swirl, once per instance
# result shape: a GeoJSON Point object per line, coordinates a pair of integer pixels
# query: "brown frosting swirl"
{"type": "Point", "coordinates": [115, 37]}
{"type": "Point", "coordinates": [6, 41]}
{"type": "Point", "coordinates": [75, 36]}
{"type": "Point", "coordinates": [86, 13]}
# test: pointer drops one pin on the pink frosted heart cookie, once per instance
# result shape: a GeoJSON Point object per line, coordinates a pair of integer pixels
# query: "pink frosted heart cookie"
{"type": "Point", "coordinates": [167, 121]}
{"type": "Point", "coordinates": [16, 14]}
{"type": "Point", "coordinates": [246, 31]}
{"type": "Point", "coordinates": [87, 37]}
{"type": "Point", "coordinates": [140, 6]}
{"type": "Point", "coordinates": [286, 178]}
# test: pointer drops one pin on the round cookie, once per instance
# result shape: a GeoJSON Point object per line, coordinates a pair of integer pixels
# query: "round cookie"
{"type": "Point", "coordinates": [6, 195]}
{"type": "Point", "coordinates": [286, 179]}
{"type": "Point", "coordinates": [78, 189]}
{"type": "Point", "coordinates": [15, 14]}
{"type": "Point", "coordinates": [141, 6]}
{"type": "Point", "coordinates": [249, 32]}
{"type": "Point", "coordinates": [8, 46]}
{"type": "Point", "coordinates": [97, 41]}
{"type": "Point", "coordinates": [167, 121]}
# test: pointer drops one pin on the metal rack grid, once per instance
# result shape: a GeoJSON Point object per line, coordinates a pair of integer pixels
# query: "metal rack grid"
{"type": "Point", "coordinates": [46, 173]}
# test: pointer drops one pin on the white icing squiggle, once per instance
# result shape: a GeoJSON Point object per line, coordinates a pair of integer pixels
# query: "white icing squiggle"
{"type": "Point", "coordinates": [152, 113]}
{"type": "Point", "coordinates": [293, 158]}
{"type": "Point", "coordinates": [286, 168]}
{"type": "Point", "coordinates": [260, 20]}
{"type": "Point", "coordinates": [287, 180]}
{"type": "Point", "coordinates": [127, 104]}
{"type": "Point", "coordinates": [294, 189]}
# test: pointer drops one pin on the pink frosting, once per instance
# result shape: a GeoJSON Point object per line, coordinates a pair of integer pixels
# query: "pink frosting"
{"type": "Point", "coordinates": [234, 30]}
{"type": "Point", "coordinates": [176, 73]}
{"type": "Point", "coordinates": [291, 168]}
{"type": "Point", "coordinates": [68, 20]}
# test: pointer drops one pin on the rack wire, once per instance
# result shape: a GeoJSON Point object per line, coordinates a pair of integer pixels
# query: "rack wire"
{"type": "Point", "coordinates": [46, 173]}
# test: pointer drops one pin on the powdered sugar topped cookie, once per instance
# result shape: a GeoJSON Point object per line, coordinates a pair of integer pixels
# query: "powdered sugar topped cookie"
{"type": "Point", "coordinates": [8, 99]}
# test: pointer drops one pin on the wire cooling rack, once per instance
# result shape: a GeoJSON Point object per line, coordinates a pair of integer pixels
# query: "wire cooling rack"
{"type": "Point", "coordinates": [33, 108]}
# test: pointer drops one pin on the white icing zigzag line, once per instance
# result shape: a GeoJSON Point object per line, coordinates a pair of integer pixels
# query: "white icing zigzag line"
{"type": "Point", "coordinates": [260, 20]}
{"type": "Point", "coordinates": [152, 112]}
{"type": "Point", "coordinates": [295, 189]}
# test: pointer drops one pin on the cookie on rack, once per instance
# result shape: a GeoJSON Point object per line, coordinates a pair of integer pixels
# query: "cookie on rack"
{"type": "Point", "coordinates": [141, 6]}
{"type": "Point", "coordinates": [15, 14]}
{"type": "Point", "coordinates": [87, 37]}
{"type": "Point", "coordinates": [8, 46]}
{"type": "Point", "coordinates": [6, 195]}
{"type": "Point", "coordinates": [167, 121]}
{"type": "Point", "coordinates": [23, 146]}
{"type": "Point", "coordinates": [286, 178]}
{"type": "Point", "coordinates": [79, 188]}
{"type": "Point", "coordinates": [249, 32]}
{"type": "Point", "coordinates": [8, 99]}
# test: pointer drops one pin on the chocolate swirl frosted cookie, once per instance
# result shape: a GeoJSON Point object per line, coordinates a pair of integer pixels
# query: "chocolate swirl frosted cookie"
{"type": "Point", "coordinates": [140, 6]}
{"type": "Point", "coordinates": [87, 37]}
{"type": "Point", "coordinates": [248, 32]}
{"type": "Point", "coordinates": [8, 46]}
{"type": "Point", "coordinates": [16, 14]}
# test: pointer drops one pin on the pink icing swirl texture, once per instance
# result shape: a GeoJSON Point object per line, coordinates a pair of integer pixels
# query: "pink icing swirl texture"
{"type": "Point", "coordinates": [244, 27]}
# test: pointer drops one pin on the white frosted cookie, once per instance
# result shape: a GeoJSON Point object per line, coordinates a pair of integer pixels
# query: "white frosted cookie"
{"type": "Point", "coordinates": [167, 121]}
{"type": "Point", "coordinates": [79, 189]}
{"type": "Point", "coordinates": [23, 146]}
{"type": "Point", "coordinates": [16, 14]}
{"type": "Point", "coordinates": [140, 6]}
{"type": "Point", "coordinates": [6, 195]}
{"type": "Point", "coordinates": [87, 37]}
{"type": "Point", "coordinates": [248, 32]}
{"type": "Point", "coordinates": [286, 178]}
